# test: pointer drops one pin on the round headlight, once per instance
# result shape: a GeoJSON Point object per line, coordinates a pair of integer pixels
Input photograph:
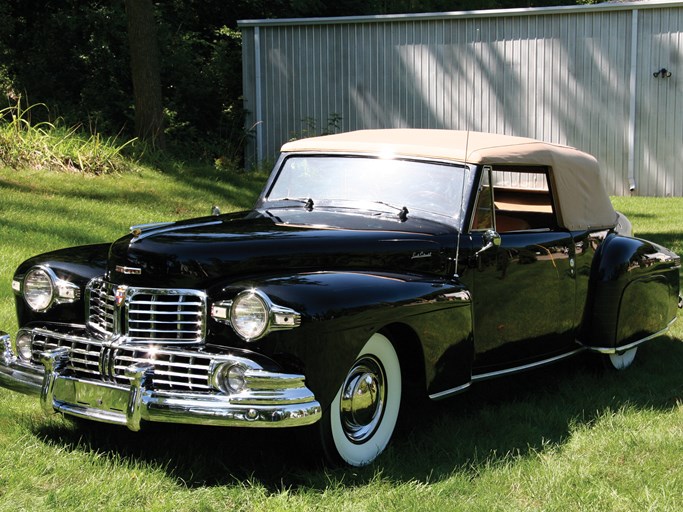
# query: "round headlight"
{"type": "Point", "coordinates": [38, 289]}
{"type": "Point", "coordinates": [249, 315]}
{"type": "Point", "coordinates": [24, 345]}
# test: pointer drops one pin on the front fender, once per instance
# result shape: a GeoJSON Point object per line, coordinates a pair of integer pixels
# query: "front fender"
{"type": "Point", "coordinates": [341, 310]}
{"type": "Point", "coordinates": [77, 265]}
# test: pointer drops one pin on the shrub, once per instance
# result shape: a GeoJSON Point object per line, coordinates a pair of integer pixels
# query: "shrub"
{"type": "Point", "coordinates": [51, 146]}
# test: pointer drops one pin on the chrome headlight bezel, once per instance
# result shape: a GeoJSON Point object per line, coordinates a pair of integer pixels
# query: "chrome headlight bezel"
{"type": "Point", "coordinates": [250, 315]}
{"type": "Point", "coordinates": [38, 288]}
{"type": "Point", "coordinates": [55, 290]}
{"type": "Point", "coordinates": [255, 307]}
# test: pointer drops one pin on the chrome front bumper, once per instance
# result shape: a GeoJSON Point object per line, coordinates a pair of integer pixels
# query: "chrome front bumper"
{"type": "Point", "coordinates": [271, 399]}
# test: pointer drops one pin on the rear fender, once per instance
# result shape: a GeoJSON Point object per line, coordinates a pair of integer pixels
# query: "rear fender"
{"type": "Point", "coordinates": [633, 294]}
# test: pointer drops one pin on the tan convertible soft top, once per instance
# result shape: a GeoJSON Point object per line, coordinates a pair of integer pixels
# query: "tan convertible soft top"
{"type": "Point", "coordinates": [582, 200]}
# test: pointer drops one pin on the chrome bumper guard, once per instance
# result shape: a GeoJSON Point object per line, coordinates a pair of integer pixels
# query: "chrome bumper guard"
{"type": "Point", "coordinates": [272, 400]}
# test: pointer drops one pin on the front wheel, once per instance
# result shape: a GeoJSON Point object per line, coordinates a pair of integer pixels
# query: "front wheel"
{"type": "Point", "coordinates": [361, 419]}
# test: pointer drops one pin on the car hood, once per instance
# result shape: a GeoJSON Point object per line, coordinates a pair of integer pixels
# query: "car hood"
{"type": "Point", "coordinates": [211, 250]}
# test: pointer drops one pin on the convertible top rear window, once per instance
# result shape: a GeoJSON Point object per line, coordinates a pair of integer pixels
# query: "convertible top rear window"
{"type": "Point", "coordinates": [522, 201]}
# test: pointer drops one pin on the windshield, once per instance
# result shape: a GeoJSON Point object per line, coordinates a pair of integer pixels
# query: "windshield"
{"type": "Point", "coordinates": [419, 186]}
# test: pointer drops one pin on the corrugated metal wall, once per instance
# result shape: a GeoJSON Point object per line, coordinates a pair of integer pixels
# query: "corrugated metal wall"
{"type": "Point", "coordinates": [659, 117]}
{"type": "Point", "coordinates": [566, 75]}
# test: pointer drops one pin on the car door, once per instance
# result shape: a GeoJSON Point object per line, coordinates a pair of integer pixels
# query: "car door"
{"type": "Point", "coordinates": [524, 286]}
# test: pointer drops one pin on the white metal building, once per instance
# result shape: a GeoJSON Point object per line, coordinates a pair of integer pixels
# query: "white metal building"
{"type": "Point", "coordinates": [604, 78]}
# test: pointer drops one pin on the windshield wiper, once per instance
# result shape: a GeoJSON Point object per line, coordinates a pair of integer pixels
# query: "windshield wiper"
{"type": "Point", "coordinates": [308, 202]}
{"type": "Point", "coordinates": [402, 212]}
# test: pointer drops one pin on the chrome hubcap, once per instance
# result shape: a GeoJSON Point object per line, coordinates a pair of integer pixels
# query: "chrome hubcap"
{"type": "Point", "coordinates": [363, 399]}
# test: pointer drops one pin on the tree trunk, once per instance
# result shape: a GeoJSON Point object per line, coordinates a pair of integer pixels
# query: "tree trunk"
{"type": "Point", "coordinates": [145, 70]}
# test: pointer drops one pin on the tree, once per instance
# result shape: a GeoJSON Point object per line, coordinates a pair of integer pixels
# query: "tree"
{"type": "Point", "coordinates": [145, 71]}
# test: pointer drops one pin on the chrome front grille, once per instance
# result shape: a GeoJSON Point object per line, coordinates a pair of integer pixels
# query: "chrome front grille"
{"type": "Point", "coordinates": [101, 306]}
{"type": "Point", "coordinates": [174, 370]}
{"type": "Point", "coordinates": [146, 314]}
{"type": "Point", "coordinates": [85, 352]}
{"type": "Point", "coordinates": [177, 316]}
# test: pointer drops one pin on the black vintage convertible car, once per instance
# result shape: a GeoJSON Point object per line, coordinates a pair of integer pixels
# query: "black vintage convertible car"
{"type": "Point", "coordinates": [373, 263]}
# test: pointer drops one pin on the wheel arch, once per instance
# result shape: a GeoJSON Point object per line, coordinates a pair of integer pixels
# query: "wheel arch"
{"type": "Point", "coordinates": [410, 353]}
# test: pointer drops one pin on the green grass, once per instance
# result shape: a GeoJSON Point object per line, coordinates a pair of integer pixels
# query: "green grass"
{"type": "Point", "coordinates": [570, 437]}
{"type": "Point", "coordinates": [42, 211]}
{"type": "Point", "coordinates": [52, 146]}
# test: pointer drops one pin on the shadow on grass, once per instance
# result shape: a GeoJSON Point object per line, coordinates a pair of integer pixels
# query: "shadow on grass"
{"type": "Point", "coordinates": [492, 423]}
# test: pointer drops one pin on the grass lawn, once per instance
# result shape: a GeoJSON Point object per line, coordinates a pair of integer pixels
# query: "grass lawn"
{"type": "Point", "coordinates": [570, 437]}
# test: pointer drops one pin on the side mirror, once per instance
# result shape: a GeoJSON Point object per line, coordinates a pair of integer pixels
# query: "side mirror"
{"type": "Point", "coordinates": [491, 239]}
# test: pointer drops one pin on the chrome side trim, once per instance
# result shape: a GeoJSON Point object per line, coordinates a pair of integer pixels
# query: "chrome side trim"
{"type": "Point", "coordinates": [524, 367]}
{"type": "Point", "coordinates": [450, 392]}
{"type": "Point", "coordinates": [143, 231]}
{"type": "Point", "coordinates": [501, 373]}
{"type": "Point", "coordinates": [150, 226]}
{"type": "Point", "coordinates": [623, 348]}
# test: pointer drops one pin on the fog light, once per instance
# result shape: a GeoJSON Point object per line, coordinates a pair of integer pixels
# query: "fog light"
{"type": "Point", "coordinates": [24, 345]}
{"type": "Point", "coordinates": [230, 378]}
{"type": "Point", "coordinates": [236, 379]}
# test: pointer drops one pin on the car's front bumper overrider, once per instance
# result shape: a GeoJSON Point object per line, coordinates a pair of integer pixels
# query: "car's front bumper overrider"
{"type": "Point", "coordinates": [272, 400]}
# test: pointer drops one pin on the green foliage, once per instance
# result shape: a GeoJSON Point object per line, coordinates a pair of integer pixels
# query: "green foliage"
{"type": "Point", "coordinates": [311, 129]}
{"type": "Point", "coordinates": [50, 146]}
{"type": "Point", "coordinates": [73, 56]}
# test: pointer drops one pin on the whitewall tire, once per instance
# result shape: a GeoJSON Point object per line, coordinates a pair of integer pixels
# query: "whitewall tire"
{"type": "Point", "coordinates": [363, 414]}
{"type": "Point", "coordinates": [623, 360]}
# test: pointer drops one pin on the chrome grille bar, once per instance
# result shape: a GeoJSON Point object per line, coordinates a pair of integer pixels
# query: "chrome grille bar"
{"type": "Point", "coordinates": [84, 353]}
{"type": "Point", "coordinates": [147, 314]}
{"type": "Point", "coordinates": [173, 369]}
{"type": "Point", "coordinates": [101, 306]}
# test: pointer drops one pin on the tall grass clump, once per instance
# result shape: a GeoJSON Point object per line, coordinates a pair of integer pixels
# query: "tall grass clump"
{"type": "Point", "coordinates": [51, 146]}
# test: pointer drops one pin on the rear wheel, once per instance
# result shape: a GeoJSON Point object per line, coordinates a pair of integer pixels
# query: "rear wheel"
{"type": "Point", "coordinates": [361, 420]}
{"type": "Point", "coordinates": [621, 360]}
